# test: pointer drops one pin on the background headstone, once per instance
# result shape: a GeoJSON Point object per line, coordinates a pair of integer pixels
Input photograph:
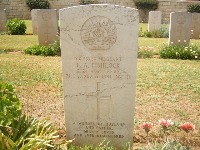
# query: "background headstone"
{"type": "Point", "coordinates": [34, 20]}
{"type": "Point", "coordinates": [180, 26]}
{"type": "Point", "coordinates": [99, 53]}
{"type": "Point", "coordinates": [47, 21]}
{"type": "Point", "coordinates": [195, 26]}
{"type": "Point", "coordinates": [154, 22]}
{"type": "Point", "coordinates": [3, 20]}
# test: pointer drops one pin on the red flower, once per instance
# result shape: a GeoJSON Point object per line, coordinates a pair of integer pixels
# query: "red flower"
{"type": "Point", "coordinates": [187, 127]}
{"type": "Point", "coordinates": [165, 123]}
{"type": "Point", "coordinates": [146, 126]}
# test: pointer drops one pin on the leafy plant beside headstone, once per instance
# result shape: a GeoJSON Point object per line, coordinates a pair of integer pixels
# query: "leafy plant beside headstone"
{"type": "Point", "coordinates": [162, 33]}
{"type": "Point", "coordinates": [37, 4]}
{"type": "Point", "coordinates": [86, 2]}
{"type": "Point", "coordinates": [193, 8]}
{"type": "Point", "coordinates": [180, 52]}
{"type": "Point", "coordinates": [16, 26]}
{"type": "Point", "coordinates": [10, 106]}
{"type": "Point", "coordinates": [50, 50]}
{"type": "Point", "coordinates": [21, 132]}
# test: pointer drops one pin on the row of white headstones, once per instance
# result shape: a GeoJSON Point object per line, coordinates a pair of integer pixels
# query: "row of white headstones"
{"type": "Point", "coordinates": [183, 25]}
{"type": "Point", "coordinates": [99, 46]}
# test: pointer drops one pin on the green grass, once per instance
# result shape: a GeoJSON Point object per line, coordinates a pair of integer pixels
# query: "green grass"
{"type": "Point", "coordinates": [144, 26]}
{"type": "Point", "coordinates": [29, 29]}
{"type": "Point", "coordinates": [29, 70]}
{"type": "Point", "coordinates": [19, 42]}
{"type": "Point", "coordinates": [165, 88]}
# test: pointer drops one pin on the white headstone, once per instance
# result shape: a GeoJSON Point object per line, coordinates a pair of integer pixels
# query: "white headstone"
{"type": "Point", "coordinates": [154, 22]}
{"type": "Point", "coordinates": [34, 20]}
{"type": "Point", "coordinates": [3, 20]}
{"type": "Point", "coordinates": [47, 26]}
{"type": "Point", "coordinates": [99, 53]}
{"type": "Point", "coordinates": [180, 26]}
{"type": "Point", "coordinates": [195, 27]}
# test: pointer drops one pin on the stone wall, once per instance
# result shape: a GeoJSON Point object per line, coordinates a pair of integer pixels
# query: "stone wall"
{"type": "Point", "coordinates": [15, 8]}
{"type": "Point", "coordinates": [167, 6]}
{"type": "Point", "coordinates": [19, 9]}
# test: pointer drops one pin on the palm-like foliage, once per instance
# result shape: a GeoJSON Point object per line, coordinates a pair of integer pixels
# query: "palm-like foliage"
{"type": "Point", "coordinates": [21, 132]}
{"type": "Point", "coordinates": [26, 133]}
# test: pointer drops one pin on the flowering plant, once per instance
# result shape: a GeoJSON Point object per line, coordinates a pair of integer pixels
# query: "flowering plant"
{"type": "Point", "coordinates": [146, 126]}
{"type": "Point", "coordinates": [187, 127]}
{"type": "Point", "coordinates": [165, 123]}
{"type": "Point", "coordinates": [168, 126]}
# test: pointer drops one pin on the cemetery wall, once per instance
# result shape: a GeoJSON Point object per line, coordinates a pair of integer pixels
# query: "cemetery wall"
{"type": "Point", "coordinates": [19, 9]}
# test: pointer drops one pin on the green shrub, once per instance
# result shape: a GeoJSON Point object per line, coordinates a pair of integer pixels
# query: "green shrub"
{"type": "Point", "coordinates": [34, 50]}
{"type": "Point", "coordinates": [51, 50]}
{"type": "Point", "coordinates": [20, 132]}
{"type": "Point", "coordinates": [162, 33]}
{"type": "Point", "coordinates": [55, 47]}
{"type": "Point", "coordinates": [25, 133]}
{"type": "Point", "coordinates": [193, 8]}
{"type": "Point", "coordinates": [16, 26]}
{"type": "Point", "coordinates": [37, 4]}
{"type": "Point", "coordinates": [10, 106]}
{"type": "Point", "coordinates": [180, 52]}
{"type": "Point", "coordinates": [146, 4]}
{"type": "Point", "coordinates": [86, 2]}
{"type": "Point", "coordinates": [149, 34]}
{"type": "Point", "coordinates": [2, 51]}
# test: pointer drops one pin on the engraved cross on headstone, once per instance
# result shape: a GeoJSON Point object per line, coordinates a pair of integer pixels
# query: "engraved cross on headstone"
{"type": "Point", "coordinates": [99, 98]}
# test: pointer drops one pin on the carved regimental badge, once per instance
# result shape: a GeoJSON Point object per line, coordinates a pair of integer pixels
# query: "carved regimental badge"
{"type": "Point", "coordinates": [98, 33]}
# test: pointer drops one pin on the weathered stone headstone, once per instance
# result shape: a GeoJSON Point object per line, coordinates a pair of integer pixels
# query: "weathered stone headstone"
{"type": "Point", "coordinates": [47, 21]}
{"type": "Point", "coordinates": [154, 22]}
{"type": "Point", "coordinates": [34, 20]}
{"type": "Point", "coordinates": [180, 26]}
{"type": "Point", "coordinates": [3, 20]}
{"type": "Point", "coordinates": [195, 26]}
{"type": "Point", "coordinates": [99, 54]}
